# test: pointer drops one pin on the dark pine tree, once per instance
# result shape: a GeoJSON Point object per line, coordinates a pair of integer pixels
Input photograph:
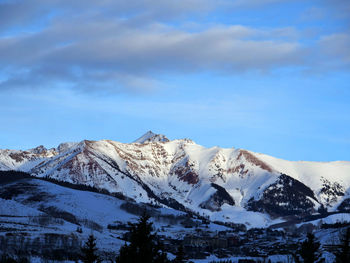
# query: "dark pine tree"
{"type": "Point", "coordinates": [144, 246]}
{"type": "Point", "coordinates": [89, 251]}
{"type": "Point", "coordinates": [309, 249]}
{"type": "Point", "coordinates": [7, 259]}
{"type": "Point", "coordinates": [180, 256]}
{"type": "Point", "coordinates": [343, 255]}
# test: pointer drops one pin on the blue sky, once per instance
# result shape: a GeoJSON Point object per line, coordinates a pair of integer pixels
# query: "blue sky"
{"type": "Point", "coordinates": [269, 76]}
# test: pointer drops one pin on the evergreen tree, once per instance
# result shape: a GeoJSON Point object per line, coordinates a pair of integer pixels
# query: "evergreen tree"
{"type": "Point", "coordinates": [322, 210]}
{"type": "Point", "coordinates": [343, 255]}
{"type": "Point", "coordinates": [180, 256]}
{"type": "Point", "coordinates": [143, 246]}
{"type": "Point", "coordinates": [309, 249]}
{"type": "Point", "coordinates": [89, 250]}
{"type": "Point", "coordinates": [7, 259]}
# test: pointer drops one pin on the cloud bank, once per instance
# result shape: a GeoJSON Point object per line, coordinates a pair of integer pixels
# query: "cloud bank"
{"type": "Point", "coordinates": [125, 45]}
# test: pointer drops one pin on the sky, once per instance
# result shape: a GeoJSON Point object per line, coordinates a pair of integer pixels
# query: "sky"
{"type": "Point", "coordinates": [270, 76]}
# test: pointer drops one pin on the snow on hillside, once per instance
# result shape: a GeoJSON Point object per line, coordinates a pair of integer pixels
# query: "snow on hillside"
{"type": "Point", "coordinates": [310, 173]}
{"type": "Point", "coordinates": [26, 204]}
{"type": "Point", "coordinates": [38, 209]}
{"type": "Point", "coordinates": [332, 219]}
{"type": "Point", "coordinates": [13, 208]}
{"type": "Point", "coordinates": [316, 175]}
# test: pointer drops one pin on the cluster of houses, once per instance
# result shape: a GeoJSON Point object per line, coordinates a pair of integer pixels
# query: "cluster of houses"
{"type": "Point", "coordinates": [199, 241]}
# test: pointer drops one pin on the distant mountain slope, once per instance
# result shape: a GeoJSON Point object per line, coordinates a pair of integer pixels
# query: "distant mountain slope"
{"type": "Point", "coordinates": [220, 183]}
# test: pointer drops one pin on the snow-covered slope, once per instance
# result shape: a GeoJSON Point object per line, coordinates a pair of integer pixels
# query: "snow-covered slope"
{"type": "Point", "coordinates": [39, 213]}
{"type": "Point", "coordinates": [329, 180]}
{"type": "Point", "coordinates": [220, 183]}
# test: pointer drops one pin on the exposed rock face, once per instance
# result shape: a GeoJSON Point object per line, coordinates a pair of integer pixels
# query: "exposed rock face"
{"type": "Point", "coordinates": [39, 150]}
{"type": "Point", "coordinates": [286, 196]}
{"type": "Point", "coordinates": [185, 171]}
{"type": "Point", "coordinates": [220, 197]}
{"type": "Point", "coordinates": [254, 160]}
{"type": "Point", "coordinates": [330, 192]}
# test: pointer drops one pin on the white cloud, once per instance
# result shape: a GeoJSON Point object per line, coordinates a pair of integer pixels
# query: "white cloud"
{"type": "Point", "coordinates": [87, 51]}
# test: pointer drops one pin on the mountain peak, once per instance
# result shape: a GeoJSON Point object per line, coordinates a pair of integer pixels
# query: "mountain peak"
{"type": "Point", "coordinates": [66, 146]}
{"type": "Point", "coordinates": [151, 137]}
{"type": "Point", "coordinates": [38, 150]}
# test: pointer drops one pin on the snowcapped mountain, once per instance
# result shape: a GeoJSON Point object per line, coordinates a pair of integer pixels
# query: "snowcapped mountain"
{"type": "Point", "coordinates": [225, 184]}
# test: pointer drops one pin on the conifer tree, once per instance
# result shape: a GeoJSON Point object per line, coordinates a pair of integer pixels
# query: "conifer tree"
{"type": "Point", "coordinates": [143, 246]}
{"type": "Point", "coordinates": [180, 256]}
{"type": "Point", "coordinates": [309, 249]}
{"type": "Point", "coordinates": [89, 251]}
{"type": "Point", "coordinates": [7, 259]}
{"type": "Point", "coordinates": [343, 255]}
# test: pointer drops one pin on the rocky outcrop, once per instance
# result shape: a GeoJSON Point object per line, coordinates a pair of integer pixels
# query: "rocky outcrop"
{"type": "Point", "coordinates": [285, 197]}
{"type": "Point", "coordinates": [330, 192]}
{"type": "Point", "coordinates": [220, 197]}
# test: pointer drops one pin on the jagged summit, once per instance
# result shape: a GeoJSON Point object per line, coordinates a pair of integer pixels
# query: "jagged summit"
{"type": "Point", "coordinates": [65, 146]}
{"type": "Point", "coordinates": [151, 137]}
{"type": "Point", "coordinates": [38, 150]}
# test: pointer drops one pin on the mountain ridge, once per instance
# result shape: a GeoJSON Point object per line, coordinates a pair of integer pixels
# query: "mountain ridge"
{"type": "Point", "coordinates": [180, 172]}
